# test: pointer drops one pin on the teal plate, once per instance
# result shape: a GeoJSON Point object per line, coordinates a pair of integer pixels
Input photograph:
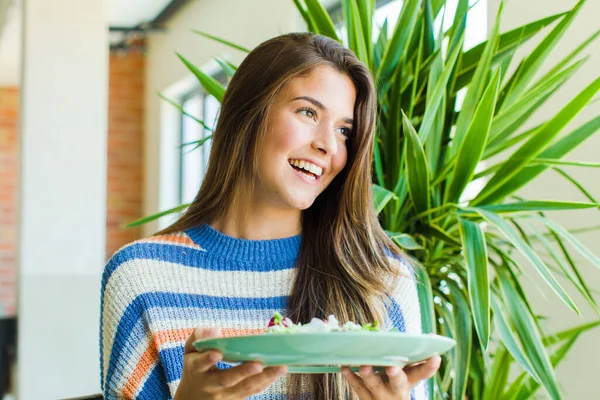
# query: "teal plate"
{"type": "Point", "coordinates": [327, 352]}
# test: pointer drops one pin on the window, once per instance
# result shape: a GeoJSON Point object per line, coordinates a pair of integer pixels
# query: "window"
{"type": "Point", "coordinates": [194, 158]}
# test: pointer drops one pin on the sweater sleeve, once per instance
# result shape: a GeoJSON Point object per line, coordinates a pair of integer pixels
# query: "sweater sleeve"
{"type": "Point", "coordinates": [405, 313]}
{"type": "Point", "coordinates": [129, 363]}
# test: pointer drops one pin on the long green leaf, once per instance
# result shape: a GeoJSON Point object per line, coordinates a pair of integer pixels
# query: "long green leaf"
{"type": "Point", "coordinates": [436, 97]}
{"type": "Point", "coordinates": [537, 205]}
{"type": "Point", "coordinates": [476, 88]}
{"type": "Point", "coordinates": [530, 338]}
{"type": "Point", "coordinates": [568, 336]}
{"type": "Point", "coordinates": [153, 217]}
{"type": "Point", "coordinates": [354, 26]}
{"type": "Point", "coordinates": [528, 252]}
{"type": "Point", "coordinates": [321, 19]}
{"type": "Point", "coordinates": [495, 148]}
{"type": "Point", "coordinates": [404, 240]}
{"type": "Point", "coordinates": [197, 143]}
{"type": "Point", "coordinates": [549, 161]}
{"type": "Point", "coordinates": [180, 108]}
{"type": "Point", "coordinates": [508, 43]}
{"type": "Point", "coordinates": [555, 151]}
{"type": "Point", "coordinates": [437, 232]}
{"type": "Point", "coordinates": [428, 317]}
{"type": "Point", "coordinates": [366, 9]}
{"type": "Point", "coordinates": [571, 239]}
{"type": "Point", "coordinates": [475, 253]}
{"type": "Point", "coordinates": [457, 30]}
{"type": "Point", "coordinates": [575, 276]}
{"type": "Point", "coordinates": [572, 55]}
{"type": "Point", "coordinates": [577, 184]}
{"type": "Point", "coordinates": [498, 376]}
{"type": "Point", "coordinates": [471, 148]}
{"type": "Point", "coordinates": [209, 83]}
{"type": "Point", "coordinates": [524, 387]}
{"type": "Point", "coordinates": [229, 71]}
{"type": "Point", "coordinates": [536, 58]}
{"type": "Point", "coordinates": [416, 167]}
{"type": "Point", "coordinates": [307, 18]}
{"type": "Point", "coordinates": [400, 37]}
{"type": "Point", "coordinates": [502, 324]}
{"type": "Point", "coordinates": [567, 333]}
{"type": "Point", "coordinates": [496, 188]}
{"type": "Point", "coordinates": [504, 122]}
{"type": "Point", "coordinates": [381, 196]}
{"type": "Point", "coordinates": [463, 336]}
{"type": "Point", "coordinates": [377, 161]}
{"type": "Point", "coordinates": [223, 41]}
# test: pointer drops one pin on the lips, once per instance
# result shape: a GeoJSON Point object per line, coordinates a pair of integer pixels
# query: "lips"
{"type": "Point", "coordinates": [305, 177]}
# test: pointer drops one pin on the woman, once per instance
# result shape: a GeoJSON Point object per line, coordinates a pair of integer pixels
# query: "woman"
{"type": "Point", "coordinates": [284, 221]}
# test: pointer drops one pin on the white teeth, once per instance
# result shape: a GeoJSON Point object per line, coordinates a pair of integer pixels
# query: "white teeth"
{"type": "Point", "coordinates": [305, 165]}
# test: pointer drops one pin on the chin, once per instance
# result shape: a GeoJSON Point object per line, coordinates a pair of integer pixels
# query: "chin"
{"type": "Point", "coordinates": [303, 205]}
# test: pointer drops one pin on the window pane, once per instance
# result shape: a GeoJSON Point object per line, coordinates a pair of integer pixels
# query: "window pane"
{"type": "Point", "coordinates": [211, 113]}
{"type": "Point", "coordinates": [191, 159]}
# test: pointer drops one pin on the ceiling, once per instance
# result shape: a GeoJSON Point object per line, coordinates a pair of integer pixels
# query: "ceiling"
{"type": "Point", "coordinates": [120, 15]}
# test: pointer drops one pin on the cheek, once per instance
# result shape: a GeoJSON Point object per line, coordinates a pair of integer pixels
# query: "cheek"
{"type": "Point", "coordinates": [339, 160]}
{"type": "Point", "coordinates": [287, 136]}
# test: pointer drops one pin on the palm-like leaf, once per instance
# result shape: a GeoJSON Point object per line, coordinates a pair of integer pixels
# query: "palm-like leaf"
{"type": "Point", "coordinates": [427, 155]}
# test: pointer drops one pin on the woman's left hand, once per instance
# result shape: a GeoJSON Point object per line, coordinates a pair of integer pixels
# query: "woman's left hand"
{"type": "Point", "coordinates": [399, 382]}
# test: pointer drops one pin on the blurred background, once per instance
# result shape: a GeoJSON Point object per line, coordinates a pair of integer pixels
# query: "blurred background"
{"type": "Point", "coordinates": [87, 146]}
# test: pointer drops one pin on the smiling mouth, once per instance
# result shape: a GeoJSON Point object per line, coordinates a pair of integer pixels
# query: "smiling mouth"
{"type": "Point", "coordinates": [307, 175]}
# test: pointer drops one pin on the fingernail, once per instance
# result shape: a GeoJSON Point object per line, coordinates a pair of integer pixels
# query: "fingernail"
{"type": "Point", "coordinates": [365, 371]}
{"type": "Point", "coordinates": [214, 357]}
{"type": "Point", "coordinates": [257, 369]}
{"type": "Point", "coordinates": [393, 371]}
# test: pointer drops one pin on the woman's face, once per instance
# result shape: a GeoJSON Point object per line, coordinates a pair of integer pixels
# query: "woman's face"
{"type": "Point", "coordinates": [308, 128]}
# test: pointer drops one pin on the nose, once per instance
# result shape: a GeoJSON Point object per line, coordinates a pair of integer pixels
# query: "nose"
{"type": "Point", "coordinates": [325, 141]}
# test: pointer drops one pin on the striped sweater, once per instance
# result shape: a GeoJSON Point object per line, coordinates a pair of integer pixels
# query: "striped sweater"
{"type": "Point", "coordinates": [155, 291]}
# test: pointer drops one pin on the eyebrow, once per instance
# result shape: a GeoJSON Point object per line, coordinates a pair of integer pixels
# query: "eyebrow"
{"type": "Point", "coordinates": [322, 107]}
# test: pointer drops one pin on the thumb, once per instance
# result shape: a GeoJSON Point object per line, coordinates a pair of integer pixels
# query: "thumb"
{"type": "Point", "coordinates": [200, 333]}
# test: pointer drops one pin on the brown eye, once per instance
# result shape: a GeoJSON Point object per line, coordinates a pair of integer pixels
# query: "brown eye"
{"type": "Point", "coordinates": [345, 131]}
{"type": "Point", "coordinates": [309, 112]}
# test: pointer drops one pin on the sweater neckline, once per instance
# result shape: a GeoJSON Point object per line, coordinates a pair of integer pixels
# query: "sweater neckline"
{"type": "Point", "coordinates": [218, 244]}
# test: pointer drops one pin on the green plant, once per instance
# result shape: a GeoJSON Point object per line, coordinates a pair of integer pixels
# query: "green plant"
{"type": "Point", "coordinates": [425, 155]}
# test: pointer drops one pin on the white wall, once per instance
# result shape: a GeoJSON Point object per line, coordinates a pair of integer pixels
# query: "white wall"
{"type": "Point", "coordinates": [62, 197]}
{"type": "Point", "coordinates": [245, 22]}
{"type": "Point", "coordinates": [578, 373]}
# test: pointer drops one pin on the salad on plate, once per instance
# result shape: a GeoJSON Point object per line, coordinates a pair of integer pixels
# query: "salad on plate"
{"type": "Point", "coordinates": [278, 324]}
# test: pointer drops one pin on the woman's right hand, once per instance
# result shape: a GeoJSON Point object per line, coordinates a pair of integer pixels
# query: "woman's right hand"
{"type": "Point", "coordinates": [201, 379]}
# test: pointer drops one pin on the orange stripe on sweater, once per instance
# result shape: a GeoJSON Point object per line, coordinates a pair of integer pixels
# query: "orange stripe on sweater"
{"type": "Point", "coordinates": [148, 360]}
{"type": "Point", "coordinates": [150, 356]}
{"type": "Point", "coordinates": [181, 335]}
{"type": "Point", "coordinates": [176, 239]}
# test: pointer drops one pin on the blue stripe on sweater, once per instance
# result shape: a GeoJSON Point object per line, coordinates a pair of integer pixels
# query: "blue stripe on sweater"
{"type": "Point", "coordinates": [396, 316]}
{"type": "Point", "coordinates": [136, 309]}
{"type": "Point", "coordinates": [190, 257]}
{"type": "Point", "coordinates": [155, 387]}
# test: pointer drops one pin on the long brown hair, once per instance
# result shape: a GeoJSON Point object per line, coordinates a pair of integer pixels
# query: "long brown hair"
{"type": "Point", "coordinates": [342, 267]}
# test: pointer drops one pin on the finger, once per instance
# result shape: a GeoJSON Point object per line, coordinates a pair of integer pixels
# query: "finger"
{"type": "Point", "coordinates": [398, 380]}
{"type": "Point", "coordinates": [202, 362]}
{"type": "Point", "coordinates": [224, 379]}
{"type": "Point", "coordinates": [356, 383]}
{"type": "Point", "coordinates": [257, 383]}
{"type": "Point", "coordinates": [417, 373]}
{"type": "Point", "coordinates": [200, 333]}
{"type": "Point", "coordinates": [372, 381]}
